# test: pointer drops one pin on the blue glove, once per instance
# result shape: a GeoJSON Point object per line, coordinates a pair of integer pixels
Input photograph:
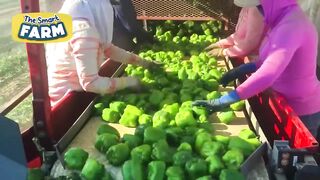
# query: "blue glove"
{"type": "Point", "coordinates": [237, 72]}
{"type": "Point", "coordinates": [219, 104]}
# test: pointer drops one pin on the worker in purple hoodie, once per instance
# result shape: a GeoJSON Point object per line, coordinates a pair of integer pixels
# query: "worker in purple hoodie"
{"type": "Point", "coordinates": [286, 63]}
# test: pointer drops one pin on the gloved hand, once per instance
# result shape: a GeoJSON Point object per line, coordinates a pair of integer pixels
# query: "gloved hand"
{"type": "Point", "coordinates": [212, 46]}
{"type": "Point", "coordinates": [219, 104]}
{"type": "Point", "coordinates": [134, 84]}
{"type": "Point", "coordinates": [237, 72]}
{"type": "Point", "coordinates": [216, 52]}
{"type": "Point", "coordinates": [152, 65]}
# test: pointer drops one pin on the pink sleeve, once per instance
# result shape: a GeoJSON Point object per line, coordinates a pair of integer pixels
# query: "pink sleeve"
{"type": "Point", "coordinates": [252, 39]}
{"type": "Point", "coordinates": [275, 62]}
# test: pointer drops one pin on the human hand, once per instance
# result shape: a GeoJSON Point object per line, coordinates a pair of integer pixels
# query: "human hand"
{"type": "Point", "coordinates": [216, 52]}
{"type": "Point", "coordinates": [152, 65]}
{"type": "Point", "coordinates": [218, 104]}
{"type": "Point", "coordinates": [212, 46]}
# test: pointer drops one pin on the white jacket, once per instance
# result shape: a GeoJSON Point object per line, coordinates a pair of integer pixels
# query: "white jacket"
{"type": "Point", "coordinates": [74, 65]}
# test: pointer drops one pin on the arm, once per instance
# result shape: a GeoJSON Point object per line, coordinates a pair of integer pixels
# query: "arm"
{"type": "Point", "coordinates": [120, 55]}
{"type": "Point", "coordinates": [85, 45]}
{"type": "Point", "coordinates": [276, 61]}
{"type": "Point", "coordinates": [252, 39]}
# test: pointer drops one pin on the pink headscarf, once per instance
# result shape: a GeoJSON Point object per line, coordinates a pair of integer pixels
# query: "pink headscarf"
{"type": "Point", "coordinates": [274, 10]}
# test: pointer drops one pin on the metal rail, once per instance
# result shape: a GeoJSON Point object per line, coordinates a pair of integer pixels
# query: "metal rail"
{"type": "Point", "coordinates": [15, 101]}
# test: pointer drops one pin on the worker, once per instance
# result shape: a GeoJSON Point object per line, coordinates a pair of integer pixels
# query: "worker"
{"type": "Point", "coordinates": [74, 65]}
{"type": "Point", "coordinates": [127, 27]}
{"type": "Point", "coordinates": [246, 39]}
{"type": "Point", "coordinates": [312, 9]}
{"type": "Point", "coordinates": [286, 63]}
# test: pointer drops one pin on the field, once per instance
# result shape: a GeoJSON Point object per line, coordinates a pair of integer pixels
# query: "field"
{"type": "Point", "coordinates": [14, 74]}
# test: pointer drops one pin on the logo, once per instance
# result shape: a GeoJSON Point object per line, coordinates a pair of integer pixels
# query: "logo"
{"type": "Point", "coordinates": [41, 27]}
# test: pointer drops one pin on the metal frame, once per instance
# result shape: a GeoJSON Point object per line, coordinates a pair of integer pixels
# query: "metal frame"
{"type": "Point", "coordinates": [47, 121]}
{"type": "Point", "coordinates": [16, 100]}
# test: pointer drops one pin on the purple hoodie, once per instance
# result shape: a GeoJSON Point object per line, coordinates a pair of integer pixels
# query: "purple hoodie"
{"type": "Point", "coordinates": [287, 58]}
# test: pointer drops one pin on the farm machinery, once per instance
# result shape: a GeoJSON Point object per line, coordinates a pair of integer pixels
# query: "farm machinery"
{"type": "Point", "coordinates": [287, 150]}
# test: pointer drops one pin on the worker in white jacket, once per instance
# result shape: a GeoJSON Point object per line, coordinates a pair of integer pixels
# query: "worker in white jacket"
{"type": "Point", "coordinates": [312, 9]}
{"type": "Point", "coordinates": [74, 65]}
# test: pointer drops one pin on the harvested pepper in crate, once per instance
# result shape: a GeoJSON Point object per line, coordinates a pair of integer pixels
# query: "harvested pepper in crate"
{"type": "Point", "coordinates": [175, 173]}
{"type": "Point", "coordinates": [196, 168]}
{"type": "Point", "coordinates": [118, 153]}
{"type": "Point", "coordinates": [142, 152]}
{"type": "Point", "coordinates": [105, 128]}
{"type": "Point", "coordinates": [233, 159]}
{"type": "Point", "coordinates": [93, 170]}
{"type": "Point", "coordinates": [105, 141]}
{"type": "Point", "coordinates": [156, 170]}
{"type": "Point", "coordinates": [75, 158]}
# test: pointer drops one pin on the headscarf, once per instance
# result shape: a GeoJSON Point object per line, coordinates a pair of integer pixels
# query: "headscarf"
{"type": "Point", "coordinates": [274, 10]}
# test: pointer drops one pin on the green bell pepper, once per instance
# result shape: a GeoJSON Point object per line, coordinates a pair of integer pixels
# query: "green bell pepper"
{"type": "Point", "coordinates": [98, 108]}
{"type": "Point", "coordinates": [118, 106]}
{"type": "Point", "coordinates": [105, 141]}
{"type": "Point", "coordinates": [107, 176]}
{"type": "Point", "coordinates": [207, 126]}
{"type": "Point", "coordinates": [196, 167]}
{"type": "Point", "coordinates": [210, 148]}
{"type": "Point", "coordinates": [161, 119]}
{"type": "Point", "coordinates": [172, 109]}
{"type": "Point", "coordinates": [139, 131]}
{"type": "Point", "coordinates": [132, 140]}
{"type": "Point", "coordinates": [181, 157]}
{"type": "Point", "coordinates": [233, 159]}
{"type": "Point", "coordinates": [246, 134]}
{"type": "Point", "coordinates": [199, 110]}
{"type": "Point", "coordinates": [222, 139]}
{"type": "Point", "coordinates": [184, 147]}
{"type": "Point", "coordinates": [238, 106]}
{"type": "Point", "coordinates": [254, 142]}
{"type": "Point", "coordinates": [129, 119]}
{"type": "Point", "coordinates": [226, 117]}
{"type": "Point", "coordinates": [142, 152]}
{"type": "Point", "coordinates": [131, 98]}
{"type": "Point", "coordinates": [156, 170]}
{"type": "Point", "coordinates": [238, 143]}
{"type": "Point", "coordinates": [118, 153]}
{"type": "Point", "coordinates": [156, 97]}
{"type": "Point", "coordinates": [145, 119]}
{"type": "Point", "coordinates": [230, 174]}
{"type": "Point", "coordinates": [161, 151]}
{"type": "Point", "coordinates": [133, 170]}
{"type": "Point", "coordinates": [211, 85]}
{"type": "Point", "coordinates": [185, 118]}
{"type": "Point", "coordinates": [152, 135]}
{"type": "Point", "coordinates": [174, 135]}
{"type": "Point", "coordinates": [186, 106]}
{"type": "Point", "coordinates": [175, 173]}
{"type": "Point", "coordinates": [215, 165]}
{"type": "Point", "coordinates": [201, 138]}
{"type": "Point", "coordinates": [110, 115]}
{"type": "Point", "coordinates": [75, 158]}
{"type": "Point", "coordinates": [105, 128]}
{"type": "Point", "coordinates": [204, 178]}
{"type": "Point", "coordinates": [213, 95]}
{"type": "Point", "coordinates": [92, 170]}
